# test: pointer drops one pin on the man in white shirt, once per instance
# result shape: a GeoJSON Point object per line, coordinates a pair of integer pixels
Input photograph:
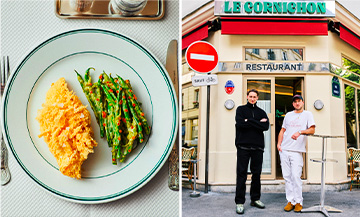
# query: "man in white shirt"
{"type": "Point", "coordinates": [291, 146]}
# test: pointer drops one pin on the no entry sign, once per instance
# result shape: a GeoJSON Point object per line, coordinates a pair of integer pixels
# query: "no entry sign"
{"type": "Point", "coordinates": [202, 57]}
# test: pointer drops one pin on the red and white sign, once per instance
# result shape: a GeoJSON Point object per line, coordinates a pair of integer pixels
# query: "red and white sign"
{"type": "Point", "coordinates": [201, 56]}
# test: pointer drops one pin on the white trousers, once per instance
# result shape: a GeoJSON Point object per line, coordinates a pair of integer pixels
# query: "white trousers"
{"type": "Point", "coordinates": [291, 166]}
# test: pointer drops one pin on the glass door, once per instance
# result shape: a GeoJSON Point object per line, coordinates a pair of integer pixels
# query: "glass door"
{"type": "Point", "coordinates": [266, 88]}
{"type": "Point", "coordinates": [285, 89]}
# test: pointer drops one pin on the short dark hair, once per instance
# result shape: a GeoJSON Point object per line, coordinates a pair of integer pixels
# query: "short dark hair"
{"type": "Point", "coordinates": [253, 90]}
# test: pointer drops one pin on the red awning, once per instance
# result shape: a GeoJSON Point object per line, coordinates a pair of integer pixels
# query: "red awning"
{"type": "Point", "coordinates": [349, 36]}
{"type": "Point", "coordinates": [197, 34]}
{"type": "Point", "coordinates": [273, 26]}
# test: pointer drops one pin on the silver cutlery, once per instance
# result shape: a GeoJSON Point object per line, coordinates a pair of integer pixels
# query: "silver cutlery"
{"type": "Point", "coordinates": [5, 172]}
{"type": "Point", "coordinates": [172, 69]}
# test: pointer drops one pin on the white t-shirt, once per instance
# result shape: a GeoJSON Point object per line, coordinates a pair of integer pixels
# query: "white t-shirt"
{"type": "Point", "coordinates": [294, 122]}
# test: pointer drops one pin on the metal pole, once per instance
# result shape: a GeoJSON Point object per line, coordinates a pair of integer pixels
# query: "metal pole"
{"type": "Point", "coordinates": [195, 193]}
{"type": "Point", "coordinates": [207, 141]}
{"type": "Point", "coordinates": [194, 176]}
{"type": "Point", "coordinates": [322, 197]}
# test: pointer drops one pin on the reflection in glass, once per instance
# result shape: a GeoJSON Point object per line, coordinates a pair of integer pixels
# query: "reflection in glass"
{"type": "Point", "coordinates": [183, 131]}
{"type": "Point", "coordinates": [264, 102]}
{"type": "Point", "coordinates": [348, 75]}
{"type": "Point", "coordinates": [350, 116]}
{"type": "Point", "coordinates": [194, 131]}
{"type": "Point", "coordinates": [190, 98]}
{"type": "Point", "coordinates": [263, 86]}
{"type": "Point", "coordinates": [351, 66]}
{"type": "Point", "coordinates": [259, 54]}
{"type": "Point", "coordinates": [194, 135]}
{"type": "Point", "coordinates": [358, 106]}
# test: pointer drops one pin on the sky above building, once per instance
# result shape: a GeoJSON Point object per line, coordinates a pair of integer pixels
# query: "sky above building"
{"type": "Point", "coordinates": [189, 6]}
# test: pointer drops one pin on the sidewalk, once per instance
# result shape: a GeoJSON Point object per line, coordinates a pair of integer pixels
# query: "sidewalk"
{"type": "Point", "coordinates": [223, 205]}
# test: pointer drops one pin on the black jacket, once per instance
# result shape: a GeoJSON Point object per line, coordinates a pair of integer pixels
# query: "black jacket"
{"type": "Point", "coordinates": [249, 134]}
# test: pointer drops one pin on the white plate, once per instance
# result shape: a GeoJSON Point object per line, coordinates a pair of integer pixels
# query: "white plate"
{"type": "Point", "coordinates": [58, 57]}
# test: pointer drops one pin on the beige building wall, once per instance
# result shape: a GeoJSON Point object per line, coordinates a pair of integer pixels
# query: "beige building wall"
{"type": "Point", "coordinates": [330, 120]}
{"type": "Point", "coordinates": [222, 150]}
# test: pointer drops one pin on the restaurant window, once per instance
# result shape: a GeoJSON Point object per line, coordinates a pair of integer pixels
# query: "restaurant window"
{"type": "Point", "coordinates": [272, 54]}
{"type": "Point", "coordinates": [352, 102]}
{"type": "Point", "coordinates": [350, 113]}
{"type": "Point", "coordinates": [196, 98]}
{"type": "Point", "coordinates": [353, 68]}
{"type": "Point", "coordinates": [194, 132]}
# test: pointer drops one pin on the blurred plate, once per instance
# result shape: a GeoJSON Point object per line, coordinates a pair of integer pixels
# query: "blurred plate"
{"type": "Point", "coordinates": [58, 57]}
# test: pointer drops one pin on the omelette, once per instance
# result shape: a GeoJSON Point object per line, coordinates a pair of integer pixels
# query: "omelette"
{"type": "Point", "coordinates": [65, 127]}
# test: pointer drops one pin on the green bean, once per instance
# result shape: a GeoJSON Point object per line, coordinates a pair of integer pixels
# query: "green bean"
{"type": "Point", "coordinates": [116, 138]}
{"type": "Point", "coordinates": [108, 81]}
{"type": "Point", "coordinates": [109, 97]}
{"type": "Point", "coordinates": [99, 108]}
{"type": "Point", "coordinates": [138, 124]}
{"type": "Point", "coordinates": [117, 111]}
{"type": "Point", "coordinates": [134, 101]}
{"type": "Point", "coordinates": [126, 110]}
{"type": "Point", "coordinates": [131, 138]}
{"type": "Point", "coordinates": [87, 94]}
{"type": "Point", "coordinates": [107, 131]}
{"type": "Point", "coordinates": [87, 76]}
{"type": "Point", "coordinates": [123, 132]}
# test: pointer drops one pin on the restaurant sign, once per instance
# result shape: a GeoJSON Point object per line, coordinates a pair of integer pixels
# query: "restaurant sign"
{"type": "Point", "coordinates": [323, 8]}
{"type": "Point", "coordinates": [272, 67]}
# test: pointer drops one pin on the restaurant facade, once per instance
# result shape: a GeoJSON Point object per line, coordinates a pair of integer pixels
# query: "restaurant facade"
{"type": "Point", "coordinates": [280, 48]}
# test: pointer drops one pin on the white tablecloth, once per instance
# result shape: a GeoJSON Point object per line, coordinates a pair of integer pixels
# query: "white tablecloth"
{"type": "Point", "coordinates": [25, 24]}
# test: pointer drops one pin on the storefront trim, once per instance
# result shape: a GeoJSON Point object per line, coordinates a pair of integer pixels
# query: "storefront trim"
{"type": "Point", "coordinates": [349, 36]}
{"type": "Point", "coordinates": [199, 33]}
{"type": "Point", "coordinates": [273, 26]}
{"type": "Point", "coordinates": [277, 67]}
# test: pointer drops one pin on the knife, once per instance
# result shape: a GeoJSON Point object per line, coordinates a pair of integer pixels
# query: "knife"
{"type": "Point", "coordinates": [172, 69]}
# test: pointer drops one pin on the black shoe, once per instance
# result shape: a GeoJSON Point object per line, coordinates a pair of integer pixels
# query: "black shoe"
{"type": "Point", "coordinates": [258, 204]}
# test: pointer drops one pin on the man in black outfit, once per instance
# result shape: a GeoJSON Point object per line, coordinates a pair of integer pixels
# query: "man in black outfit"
{"type": "Point", "coordinates": [251, 122]}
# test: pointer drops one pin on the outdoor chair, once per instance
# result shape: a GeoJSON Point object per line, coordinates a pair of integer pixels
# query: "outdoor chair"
{"type": "Point", "coordinates": [354, 157]}
{"type": "Point", "coordinates": [187, 154]}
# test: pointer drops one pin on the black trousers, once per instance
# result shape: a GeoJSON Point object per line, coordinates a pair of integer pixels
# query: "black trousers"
{"type": "Point", "coordinates": [256, 160]}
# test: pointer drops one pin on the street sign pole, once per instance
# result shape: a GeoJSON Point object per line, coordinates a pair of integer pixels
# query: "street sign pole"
{"type": "Point", "coordinates": [202, 57]}
{"type": "Point", "coordinates": [207, 140]}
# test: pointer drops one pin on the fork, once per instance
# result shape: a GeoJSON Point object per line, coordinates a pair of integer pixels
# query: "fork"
{"type": "Point", "coordinates": [5, 172]}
